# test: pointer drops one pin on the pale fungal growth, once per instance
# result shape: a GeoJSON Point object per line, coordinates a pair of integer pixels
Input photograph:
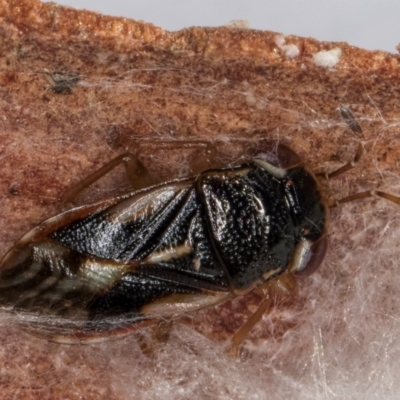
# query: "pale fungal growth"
{"type": "Point", "coordinates": [327, 58]}
{"type": "Point", "coordinates": [290, 50]}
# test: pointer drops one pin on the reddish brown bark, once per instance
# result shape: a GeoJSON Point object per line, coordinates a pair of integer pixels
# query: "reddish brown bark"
{"type": "Point", "coordinates": [78, 88]}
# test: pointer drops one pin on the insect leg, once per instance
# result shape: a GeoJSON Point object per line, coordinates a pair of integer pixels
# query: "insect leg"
{"type": "Point", "coordinates": [203, 153]}
{"type": "Point", "coordinates": [240, 335]}
{"type": "Point", "coordinates": [388, 196]}
{"type": "Point", "coordinates": [137, 174]}
{"type": "Point", "coordinates": [284, 285]}
{"type": "Point", "coordinates": [351, 164]}
{"type": "Point", "coordinates": [353, 124]}
{"type": "Point", "coordinates": [159, 335]}
{"type": "Point", "coordinates": [364, 195]}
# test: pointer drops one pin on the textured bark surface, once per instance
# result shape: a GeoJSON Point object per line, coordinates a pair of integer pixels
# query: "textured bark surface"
{"type": "Point", "coordinates": [78, 88]}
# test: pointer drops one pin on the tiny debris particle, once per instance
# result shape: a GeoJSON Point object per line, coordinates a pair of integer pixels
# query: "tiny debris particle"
{"type": "Point", "coordinates": [327, 58]}
{"type": "Point", "coordinates": [351, 122]}
{"type": "Point", "coordinates": [14, 188]}
{"type": "Point", "coordinates": [62, 83]}
{"type": "Point", "coordinates": [239, 24]}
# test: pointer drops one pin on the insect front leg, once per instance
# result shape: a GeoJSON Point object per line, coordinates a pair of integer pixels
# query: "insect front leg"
{"type": "Point", "coordinates": [135, 170]}
{"type": "Point", "coordinates": [357, 196]}
{"type": "Point", "coordinates": [353, 124]}
{"type": "Point", "coordinates": [283, 285]}
{"type": "Point", "coordinates": [355, 127]}
{"type": "Point", "coordinates": [365, 195]}
{"type": "Point", "coordinates": [349, 165]}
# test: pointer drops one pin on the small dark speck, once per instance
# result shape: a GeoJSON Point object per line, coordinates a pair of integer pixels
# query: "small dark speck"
{"type": "Point", "coordinates": [13, 189]}
{"type": "Point", "coordinates": [63, 83]}
{"type": "Point", "coordinates": [351, 121]}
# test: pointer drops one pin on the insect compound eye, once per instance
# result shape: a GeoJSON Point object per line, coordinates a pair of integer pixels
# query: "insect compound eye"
{"type": "Point", "coordinates": [308, 256]}
{"type": "Point", "coordinates": [287, 158]}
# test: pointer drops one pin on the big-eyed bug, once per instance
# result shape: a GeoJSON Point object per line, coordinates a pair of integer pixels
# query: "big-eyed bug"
{"type": "Point", "coordinates": [172, 248]}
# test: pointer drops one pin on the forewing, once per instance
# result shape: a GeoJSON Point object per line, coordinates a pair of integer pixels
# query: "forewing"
{"type": "Point", "coordinates": [129, 229]}
{"type": "Point", "coordinates": [117, 263]}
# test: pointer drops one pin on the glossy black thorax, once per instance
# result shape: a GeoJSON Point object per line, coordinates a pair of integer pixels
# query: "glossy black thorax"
{"type": "Point", "coordinates": [255, 219]}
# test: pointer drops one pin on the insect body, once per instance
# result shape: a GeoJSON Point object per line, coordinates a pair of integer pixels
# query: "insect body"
{"type": "Point", "coordinates": [168, 249]}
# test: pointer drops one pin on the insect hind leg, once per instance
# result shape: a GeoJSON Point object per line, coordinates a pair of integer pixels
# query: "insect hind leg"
{"type": "Point", "coordinates": [203, 153]}
{"type": "Point", "coordinates": [137, 173]}
{"type": "Point", "coordinates": [283, 285]}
